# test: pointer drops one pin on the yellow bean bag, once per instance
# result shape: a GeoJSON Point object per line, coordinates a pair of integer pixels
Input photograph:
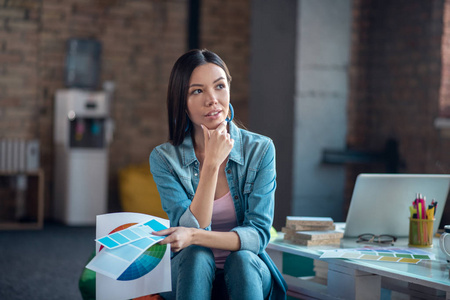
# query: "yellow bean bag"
{"type": "Point", "coordinates": [138, 192]}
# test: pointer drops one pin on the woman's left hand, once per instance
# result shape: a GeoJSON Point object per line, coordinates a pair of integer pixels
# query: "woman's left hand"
{"type": "Point", "coordinates": [178, 237]}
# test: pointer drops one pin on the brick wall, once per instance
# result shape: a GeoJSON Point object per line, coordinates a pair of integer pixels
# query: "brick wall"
{"type": "Point", "coordinates": [395, 72]}
{"type": "Point", "coordinates": [19, 47]}
{"type": "Point", "coordinates": [395, 80]}
{"type": "Point", "coordinates": [141, 39]}
{"type": "Point", "coordinates": [445, 80]}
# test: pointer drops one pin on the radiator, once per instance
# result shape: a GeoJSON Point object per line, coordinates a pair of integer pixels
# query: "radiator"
{"type": "Point", "coordinates": [19, 155]}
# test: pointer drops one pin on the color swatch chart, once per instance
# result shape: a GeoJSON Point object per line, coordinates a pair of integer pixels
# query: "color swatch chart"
{"type": "Point", "coordinates": [403, 255]}
{"type": "Point", "coordinates": [125, 248]}
{"type": "Point", "coordinates": [132, 234]}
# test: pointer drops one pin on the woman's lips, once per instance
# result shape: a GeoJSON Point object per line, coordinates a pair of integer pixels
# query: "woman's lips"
{"type": "Point", "coordinates": [213, 114]}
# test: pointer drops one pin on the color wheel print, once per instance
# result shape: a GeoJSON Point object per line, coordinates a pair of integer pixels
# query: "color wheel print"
{"type": "Point", "coordinates": [146, 262]}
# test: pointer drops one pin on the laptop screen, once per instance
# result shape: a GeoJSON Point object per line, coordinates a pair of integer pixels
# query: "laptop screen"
{"type": "Point", "coordinates": [380, 202]}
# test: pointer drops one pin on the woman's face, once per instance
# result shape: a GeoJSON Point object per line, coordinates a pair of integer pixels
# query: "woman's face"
{"type": "Point", "coordinates": [208, 96]}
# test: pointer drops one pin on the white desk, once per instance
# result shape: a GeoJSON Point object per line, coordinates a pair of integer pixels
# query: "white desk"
{"type": "Point", "coordinates": [363, 279]}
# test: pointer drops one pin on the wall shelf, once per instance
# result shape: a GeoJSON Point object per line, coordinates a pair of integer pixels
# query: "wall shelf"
{"type": "Point", "coordinates": [21, 200]}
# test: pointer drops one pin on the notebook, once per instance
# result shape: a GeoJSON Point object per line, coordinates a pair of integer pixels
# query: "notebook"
{"type": "Point", "coordinates": [380, 202]}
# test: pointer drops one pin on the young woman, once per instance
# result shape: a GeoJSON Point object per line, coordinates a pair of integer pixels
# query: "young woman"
{"type": "Point", "coordinates": [217, 184]}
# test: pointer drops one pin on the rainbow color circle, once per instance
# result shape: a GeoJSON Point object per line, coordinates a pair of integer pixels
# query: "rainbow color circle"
{"type": "Point", "coordinates": [146, 262]}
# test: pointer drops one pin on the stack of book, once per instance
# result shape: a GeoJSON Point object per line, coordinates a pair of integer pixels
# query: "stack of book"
{"type": "Point", "coordinates": [321, 271]}
{"type": "Point", "coordinates": [310, 231]}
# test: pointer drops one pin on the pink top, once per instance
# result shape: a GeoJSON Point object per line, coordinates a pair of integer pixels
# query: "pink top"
{"type": "Point", "coordinates": [223, 219]}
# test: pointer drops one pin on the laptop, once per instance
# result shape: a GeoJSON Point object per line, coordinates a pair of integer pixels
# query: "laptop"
{"type": "Point", "coordinates": [380, 202]}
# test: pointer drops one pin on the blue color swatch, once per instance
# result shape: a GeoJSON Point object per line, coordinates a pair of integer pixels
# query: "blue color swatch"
{"type": "Point", "coordinates": [132, 234]}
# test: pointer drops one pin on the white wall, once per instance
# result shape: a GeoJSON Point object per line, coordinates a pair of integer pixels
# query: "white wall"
{"type": "Point", "coordinates": [323, 51]}
{"type": "Point", "coordinates": [298, 95]}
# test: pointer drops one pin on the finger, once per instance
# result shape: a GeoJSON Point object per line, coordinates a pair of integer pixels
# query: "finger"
{"type": "Point", "coordinates": [164, 231]}
{"type": "Point", "coordinates": [169, 239]}
{"type": "Point", "coordinates": [206, 134]}
{"type": "Point", "coordinates": [222, 126]}
{"type": "Point", "coordinates": [164, 241]}
{"type": "Point", "coordinates": [221, 130]}
{"type": "Point", "coordinates": [174, 245]}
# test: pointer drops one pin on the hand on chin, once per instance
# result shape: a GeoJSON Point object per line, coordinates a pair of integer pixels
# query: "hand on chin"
{"type": "Point", "coordinates": [213, 126]}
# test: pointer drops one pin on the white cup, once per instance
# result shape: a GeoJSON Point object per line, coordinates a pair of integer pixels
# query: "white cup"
{"type": "Point", "coordinates": [444, 242]}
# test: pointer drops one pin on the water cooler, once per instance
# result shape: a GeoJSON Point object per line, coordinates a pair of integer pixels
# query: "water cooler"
{"type": "Point", "coordinates": [82, 133]}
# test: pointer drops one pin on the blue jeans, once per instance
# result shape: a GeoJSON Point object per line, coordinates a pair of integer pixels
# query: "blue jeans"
{"type": "Point", "coordinates": [194, 273]}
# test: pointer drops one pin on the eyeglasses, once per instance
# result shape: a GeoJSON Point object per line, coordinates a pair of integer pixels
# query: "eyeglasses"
{"type": "Point", "coordinates": [376, 239]}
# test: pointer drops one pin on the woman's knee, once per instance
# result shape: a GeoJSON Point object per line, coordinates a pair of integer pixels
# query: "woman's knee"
{"type": "Point", "coordinates": [192, 267]}
{"type": "Point", "coordinates": [243, 261]}
{"type": "Point", "coordinates": [197, 257]}
{"type": "Point", "coordinates": [247, 276]}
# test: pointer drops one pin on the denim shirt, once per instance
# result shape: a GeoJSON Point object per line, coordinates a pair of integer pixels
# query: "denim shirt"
{"type": "Point", "coordinates": [250, 173]}
{"type": "Point", "coordinates": [251, 176]}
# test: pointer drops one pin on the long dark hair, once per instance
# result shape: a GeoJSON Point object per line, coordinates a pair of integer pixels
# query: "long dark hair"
{"type": "Point", "coordinates": [177, 92]}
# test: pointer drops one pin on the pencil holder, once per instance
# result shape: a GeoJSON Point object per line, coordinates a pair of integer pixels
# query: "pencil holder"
{"type": "Point", "coordinates": [421, 232]}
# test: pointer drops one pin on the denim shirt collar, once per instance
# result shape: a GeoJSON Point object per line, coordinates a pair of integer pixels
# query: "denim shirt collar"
{"type": "Point", "coordinates": [236, 154]}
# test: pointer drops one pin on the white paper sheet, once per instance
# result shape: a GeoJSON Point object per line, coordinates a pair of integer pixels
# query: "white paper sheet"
{"type": "Point", "coordinates": [155, 281]}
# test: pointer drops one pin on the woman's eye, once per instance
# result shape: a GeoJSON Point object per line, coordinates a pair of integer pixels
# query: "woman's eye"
{"type": "Point", "coordinates": [221, 86]}
{"type": "Point", "coordinates": [196, 92]}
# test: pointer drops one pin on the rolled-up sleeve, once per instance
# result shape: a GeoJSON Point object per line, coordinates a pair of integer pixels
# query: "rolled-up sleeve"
{"type": "Point", "coordinates": [188, 219]}
{"type": "Point", "coordinates": [249, 238]}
